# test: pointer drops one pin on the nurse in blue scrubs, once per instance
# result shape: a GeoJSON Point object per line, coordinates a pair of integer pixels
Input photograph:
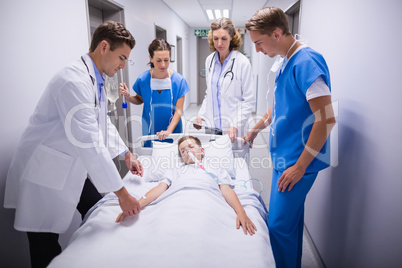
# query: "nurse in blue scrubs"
{"type": "Point", "coordinates": [302, 118]}
{"type": "Point", "coordinates": [162, 91]}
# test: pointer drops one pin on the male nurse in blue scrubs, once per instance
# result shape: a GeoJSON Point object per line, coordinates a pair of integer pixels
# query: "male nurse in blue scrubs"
{"type": "Point", "coordinates": [301, 119]}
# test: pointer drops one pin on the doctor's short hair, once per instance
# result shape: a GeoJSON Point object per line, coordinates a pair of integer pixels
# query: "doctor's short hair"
{"type": "Point", "coordinates": [158, 44]}
{"type": "Point", "coordinates": [115, 33]}
{"type": "Point", "coordinates": [267, 19]}
{"type": "Point", "coordinates": [227, 24]}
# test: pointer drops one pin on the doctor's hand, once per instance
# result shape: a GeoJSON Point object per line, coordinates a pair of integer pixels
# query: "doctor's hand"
{"type": "Point", "coordinates": [249, 137]}
{"type": "Point", "coordinates": [133, 164]}
{"type": "Point", "coordinates": [124, 91]}
{"type": "Point", "coordinates": [128, 204]}
{"type": "Point", "coordinates": [198, 120]}
{"type": "Point", "coordinates": [290, 177]}
{"type": "Point", "coordinates": [232, 132]}
{"type": "Point", "coordinates": [163, 134]}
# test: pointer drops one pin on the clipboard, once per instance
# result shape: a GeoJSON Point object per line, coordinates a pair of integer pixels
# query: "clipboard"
{"type": "Point", "coordinates": [216, 131]}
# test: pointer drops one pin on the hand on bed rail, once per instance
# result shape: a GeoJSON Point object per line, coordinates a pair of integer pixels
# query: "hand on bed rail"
{"type": "Point", "coordinates": [249, 138]}
{"type": "Point", "coordinates": [163, 134]}
{"type": "Point", "coordinates": [232, 133]}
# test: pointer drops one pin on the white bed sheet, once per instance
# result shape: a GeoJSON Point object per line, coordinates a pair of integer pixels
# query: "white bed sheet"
{"type": "Point", "coordinates": [186, 227]}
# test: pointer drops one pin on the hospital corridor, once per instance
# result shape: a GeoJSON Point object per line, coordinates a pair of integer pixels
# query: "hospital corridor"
{"type": "Point", "coordinates": [200, 133]}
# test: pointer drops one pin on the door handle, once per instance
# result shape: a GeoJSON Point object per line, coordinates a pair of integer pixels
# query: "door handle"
{"type": "Point", "coordinates": [202, 72]}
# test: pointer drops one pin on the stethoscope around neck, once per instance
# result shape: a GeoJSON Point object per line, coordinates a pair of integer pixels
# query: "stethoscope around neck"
{"type": "Point", "coordinates": [230, 72]}
{"type": "Point", "coordinates": [92, 79]}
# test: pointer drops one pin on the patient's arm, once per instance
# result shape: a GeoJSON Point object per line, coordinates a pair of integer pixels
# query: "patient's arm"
{"type": "Point", "coordinates": [242, 218]}
{"type": "Point", "coordinates": [153, 194]}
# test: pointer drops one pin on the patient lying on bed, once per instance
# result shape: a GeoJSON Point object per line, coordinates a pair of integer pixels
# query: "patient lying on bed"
{"type": "Point", "coordinates": [192, 154]}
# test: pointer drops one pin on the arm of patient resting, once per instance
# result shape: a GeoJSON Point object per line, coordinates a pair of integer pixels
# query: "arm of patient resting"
{"type": "Point", "coordinates": [242, 218]}
{"type": "Point", "coordinates": [152, 195]}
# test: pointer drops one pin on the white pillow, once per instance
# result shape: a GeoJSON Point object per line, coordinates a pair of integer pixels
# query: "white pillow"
{"type": "Point", "coordinates": [219, 154]}
{"type": "Point", "coordinates": [165, 154]}
{"type": "Point", "coordinates": [164, 157]}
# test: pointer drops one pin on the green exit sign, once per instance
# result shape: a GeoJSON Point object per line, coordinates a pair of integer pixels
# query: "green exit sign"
{"type": "Point", "coordinates": [201, 32]}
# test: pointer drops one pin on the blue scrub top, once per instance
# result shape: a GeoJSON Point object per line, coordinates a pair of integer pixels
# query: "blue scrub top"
{"type": "Point", "coordinates": [162, 109]}
{"type": "Point", "coordinates": [293, 119]}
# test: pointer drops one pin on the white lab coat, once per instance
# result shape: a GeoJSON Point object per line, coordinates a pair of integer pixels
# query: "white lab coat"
{"type": "Point", "coordinates": [237, 95]}
{"type": "Point", "coordinates": [62, 145]}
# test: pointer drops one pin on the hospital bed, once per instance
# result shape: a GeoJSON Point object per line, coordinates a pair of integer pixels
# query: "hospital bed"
{"type": "Point", "coordinates": [187, 228]}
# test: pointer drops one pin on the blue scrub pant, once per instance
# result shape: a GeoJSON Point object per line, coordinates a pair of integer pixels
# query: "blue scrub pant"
{"type": "Point", "coordinates": [286, 220]}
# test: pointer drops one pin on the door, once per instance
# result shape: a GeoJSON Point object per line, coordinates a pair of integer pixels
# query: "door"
{"type": "Point", "coordinates": [100, 11]}
{"type": "Point", "coordinates": [179, 56]}
{"type": "Point", "coordinates": [203, 52]}
{"type": "Point", "coordinates": [160, 32]}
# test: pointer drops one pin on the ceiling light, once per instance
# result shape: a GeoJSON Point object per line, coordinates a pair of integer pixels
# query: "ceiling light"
{"type": "Point", "coordinates": [226, 13]}
{"type": "Point", "coordinates": [210, 14]}
{"type": "Point", "coordinates": [218, 13]}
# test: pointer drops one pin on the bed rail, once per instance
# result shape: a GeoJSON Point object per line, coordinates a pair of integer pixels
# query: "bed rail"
{"type": "Point", "coordinates": [238, 149]}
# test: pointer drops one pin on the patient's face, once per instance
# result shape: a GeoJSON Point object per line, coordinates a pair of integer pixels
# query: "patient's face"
{"type": "Point", "coordinates": [190, 145]}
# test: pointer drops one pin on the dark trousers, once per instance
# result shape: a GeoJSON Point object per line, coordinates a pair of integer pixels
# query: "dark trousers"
{"type": "Point", "coordinates": [43, 247]}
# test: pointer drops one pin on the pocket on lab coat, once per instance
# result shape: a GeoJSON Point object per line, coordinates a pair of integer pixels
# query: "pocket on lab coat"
{"type": "Point", "coordinates": [48, 167]}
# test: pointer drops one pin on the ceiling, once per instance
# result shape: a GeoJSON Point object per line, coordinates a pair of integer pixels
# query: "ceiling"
{"type": "Point", "coordinates": [192, 12]}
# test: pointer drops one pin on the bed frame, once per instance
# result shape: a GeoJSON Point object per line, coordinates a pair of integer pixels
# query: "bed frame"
{"type": "Point", "coordinates": [238, 149]}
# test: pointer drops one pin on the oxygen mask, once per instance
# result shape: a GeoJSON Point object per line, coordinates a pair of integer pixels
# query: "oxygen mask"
{"type": "Point", "coordinates": [190, 153]}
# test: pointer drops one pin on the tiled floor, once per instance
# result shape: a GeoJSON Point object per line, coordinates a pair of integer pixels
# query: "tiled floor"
{"type": "Point", "coordinates": [261, 169]}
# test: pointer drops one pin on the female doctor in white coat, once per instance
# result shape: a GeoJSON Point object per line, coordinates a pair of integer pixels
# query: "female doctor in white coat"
{"type": "Point", "coordinates": [230, 94]}
{"type": "Point", "coordinates": [68, 139]}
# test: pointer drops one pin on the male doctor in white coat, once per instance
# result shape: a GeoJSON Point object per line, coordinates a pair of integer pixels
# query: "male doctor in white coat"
{"type": "Point", "coordinates": [70, 142]}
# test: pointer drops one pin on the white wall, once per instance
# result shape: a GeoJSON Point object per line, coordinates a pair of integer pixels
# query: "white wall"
{"type": "Point", "coordinates": [354, 212]}
{"type": "Point", "coordinates": [38, 39]}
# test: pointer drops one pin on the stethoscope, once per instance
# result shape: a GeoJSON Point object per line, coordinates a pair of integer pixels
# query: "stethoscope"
{"type": "Point", "coordinates": [92, 79]}
{"type": "Point", "coordinates": [228, 72]}
{"type": "Point", "coordinates": [96, 101]}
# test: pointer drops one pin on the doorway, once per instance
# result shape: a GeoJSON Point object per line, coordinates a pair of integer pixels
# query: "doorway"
{"type": "Point", "coordinates": [160, 32]}
{"type": "Point", "coordinates": [203, 52]}
{"type": "Point", "coordinates": [293, 14]}
{"type": "Point", "coordinates": [179, 55]}
{"type": "Point", "coordinates": [100, 11]}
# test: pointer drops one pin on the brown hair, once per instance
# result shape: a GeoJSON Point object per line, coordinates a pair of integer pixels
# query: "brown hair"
{"type": "Point", "coordinates": [267, 19]}
{"type": "Point", "coordinates": [158, 44]}
{"type": "Point", "coordinates": [182, 139]}
{"type": "Point", "coordinates": [227, 24]}
{"type": "Point", "coordinates": [114, 33]}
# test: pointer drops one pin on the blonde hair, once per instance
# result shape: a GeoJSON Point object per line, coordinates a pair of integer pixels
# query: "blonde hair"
{"type": "Point", "coordinates": [227, 24]}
